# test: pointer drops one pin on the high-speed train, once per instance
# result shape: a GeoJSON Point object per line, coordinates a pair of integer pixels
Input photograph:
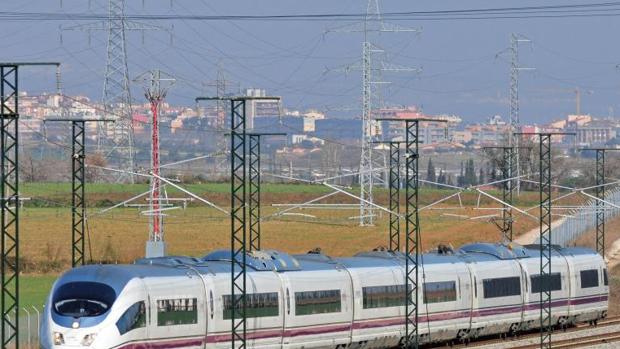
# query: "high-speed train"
{"type": "Point", "coordinates": [315, 301]}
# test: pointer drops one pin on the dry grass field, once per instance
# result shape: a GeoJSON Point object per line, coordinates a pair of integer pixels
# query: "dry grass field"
{"type": "Point", "coordinates": [118, 236]}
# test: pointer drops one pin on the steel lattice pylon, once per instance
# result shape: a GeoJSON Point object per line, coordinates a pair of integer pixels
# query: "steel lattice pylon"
{"type": "Point", "coordinates": [394, 193]}
{"type": "Point", "coordinates": [545, 240]}
{"type": "Point", "coordinates": [394, 182]}
{"type": "Point", "coordinates": [600, 205]}
{"type": "Point", "coordinates": [238, 222]}
{"type": "Point", "coordinates": [412, 225]}
{"type": "Point", "coordinates": [9, 218]}
{"type": "Point", "coordinates": [366, 173]}
{"type": "Point", "coordinates": [254, 140]}
{"type": "Point", "coordinates": [78, 208]}
{"type": "Point", "coordinates": [515, 68]}
{"type": "Point", "coordinates": [238, 214]}
{"type": "Point", "coordinates": [507, 192]}
{"type": "Point", "coordinates": [372, 74]}
{"type": "Point", "coordinates": [78, 185]}
{"type": "Point", "coordinates": [116, 92]}
{"type": "Point", "coordinates": [599, 192]}
{"type": "Point", "coordinates": [156, 85]}
{"type": "Point", "coordinates": [10, 204]}
{"type": "Point", "coordinates": [117, 140]}
{"type": "Point", "coordinates": [254, 198]}
{"type": "Point", "coordinates": [514, 99]}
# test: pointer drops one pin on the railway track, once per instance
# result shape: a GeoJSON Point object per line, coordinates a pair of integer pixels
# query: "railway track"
{"type": "Point", "coordinates": [610, 321]}
{"type": "Point", "coordinates": [580, 342]}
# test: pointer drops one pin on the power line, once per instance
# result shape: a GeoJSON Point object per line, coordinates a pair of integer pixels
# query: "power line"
{"type": "Point", "coordinates": [604, 9]}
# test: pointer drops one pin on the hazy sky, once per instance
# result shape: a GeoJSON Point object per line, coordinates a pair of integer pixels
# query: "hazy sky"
{"type": "Point", "coordinates": [298, 60]}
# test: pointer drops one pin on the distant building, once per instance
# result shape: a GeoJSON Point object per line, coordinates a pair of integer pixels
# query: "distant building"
{"type": "Point", "coordinates": [595, 133]}
{"type": "Point", "coordinates": [429, 132]}
{"type": "Point", "coordinates": [258, 108]}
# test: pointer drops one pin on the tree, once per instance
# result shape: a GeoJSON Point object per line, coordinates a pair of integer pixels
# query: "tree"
{"type": "Point", "coordinates": [442, 177]}
{"type": "Point", "coordinates": [470, 173]}
{"type": "Point", "coordinates": [430, 171]}
{"type": "Point", "coordinates": [460, 181]}
{"type": "Point", "coordinates": [481, 178]}
{"type": "Point", "coordinates": [449, 180]}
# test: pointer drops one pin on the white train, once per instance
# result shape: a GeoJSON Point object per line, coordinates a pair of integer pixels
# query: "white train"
{"type": "Point", "coordinates": [314, 301]}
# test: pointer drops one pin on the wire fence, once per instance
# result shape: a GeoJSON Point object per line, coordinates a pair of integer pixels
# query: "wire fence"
{"type": "Point", "coordinates": [579, 221]}
{"type": "Point", "coordinates": [29, 326]}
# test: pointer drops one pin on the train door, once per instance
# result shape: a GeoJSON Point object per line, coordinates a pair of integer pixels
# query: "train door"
{"type": "Point", "coordinates": [470, 304]}
{"type": "Point", "coordinates": [525, 294]}
{"type": "Point", "coordinates": [175, 310]}
{"type": "Point", "coordinates": [286, 307]}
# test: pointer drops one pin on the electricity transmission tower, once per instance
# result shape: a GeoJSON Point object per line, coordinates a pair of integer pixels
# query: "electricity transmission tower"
{"type": "Point", "coordinates": [515, 68]}
{"type": "Point", "coordinates": [156, 85]}
{"type": "Point", "coordinates": [116, 97]}
{"type": "Point", "coordinates": [222, 88]}
{"type": "Point", "coordinates": [372, 74]}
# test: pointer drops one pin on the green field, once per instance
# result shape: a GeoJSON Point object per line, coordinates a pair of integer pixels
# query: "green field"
{"type": "Point", "coordinates": [34, 289]}
{"type": "Point", "coordinates": [42, 189]}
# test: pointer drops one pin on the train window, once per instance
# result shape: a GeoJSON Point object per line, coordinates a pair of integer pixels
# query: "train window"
{"type": "Point", "coordinates": [257, 305]}
{"type": "Point", "coordinates": [134, 317]}
{"type": "Point", "coordinates": [605, 279]}
{"type": "Point", "coordinates": [181, 311]}
{"type": "Point", "coordinates": [589, 278]}
{"type": "Point", "coordinates": [83, 299]}
{"type": "Point", "coordinates": [537, 282]}
{"type": "Point", "coordinates": [317, 302]}
{"type": "Point", "coordinates": [501, 287]}
{"type": "Point", "coordinates": [438, 292]}
{"type": "Point", "coordinates": [383, 296]}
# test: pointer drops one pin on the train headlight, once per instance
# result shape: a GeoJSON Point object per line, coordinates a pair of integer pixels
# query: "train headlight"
{"type": "Point", "coordinates": [89, 339]}
{"type": "Point", "coordinates": [59, 339]}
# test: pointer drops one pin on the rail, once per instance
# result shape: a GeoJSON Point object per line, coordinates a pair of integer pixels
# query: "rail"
{"type": "Point", "coordinates": [535, 334]}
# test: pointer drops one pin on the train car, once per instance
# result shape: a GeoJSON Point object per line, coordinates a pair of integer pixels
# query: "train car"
{"type": "Point", "coordinates": [315, 301]}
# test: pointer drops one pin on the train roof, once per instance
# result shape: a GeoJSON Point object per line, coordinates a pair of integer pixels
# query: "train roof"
{"type": "Point", "coordinates": [218, 262]}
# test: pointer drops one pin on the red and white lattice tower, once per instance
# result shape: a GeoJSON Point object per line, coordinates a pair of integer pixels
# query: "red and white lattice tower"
{"type": "Point", "coordinates": [157, 84]}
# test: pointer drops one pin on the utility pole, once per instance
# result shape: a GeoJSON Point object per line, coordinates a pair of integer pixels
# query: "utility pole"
{"type": "Point", "coordinates": [412, 227]}
{"type": "Point", "coordinates": [515, 122]}
{"type": "Point", "coordinates": [9, 199]}
{"type": "Point", "coordinates": [116, 93]}
{"type": "Point", "coordinates": [156, 85]}
{"type": "Point", "coordinates": [78, 185]}
{"type": "Point", "coordinates": [394, 190]}
{"type": "Point", "coordinates": [372, 70]}
{"type": "Point", "coordinates": [238, 214]}
{"type": "Point", "coordinates": [545, 241]}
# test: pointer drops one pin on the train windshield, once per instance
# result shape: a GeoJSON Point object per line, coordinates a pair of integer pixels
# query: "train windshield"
{"type": "Point", "coordinates": [83, 299]}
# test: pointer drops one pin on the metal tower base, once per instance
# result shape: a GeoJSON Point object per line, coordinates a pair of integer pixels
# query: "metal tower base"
{"type": "Point", "coordinates": [155, 249]}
